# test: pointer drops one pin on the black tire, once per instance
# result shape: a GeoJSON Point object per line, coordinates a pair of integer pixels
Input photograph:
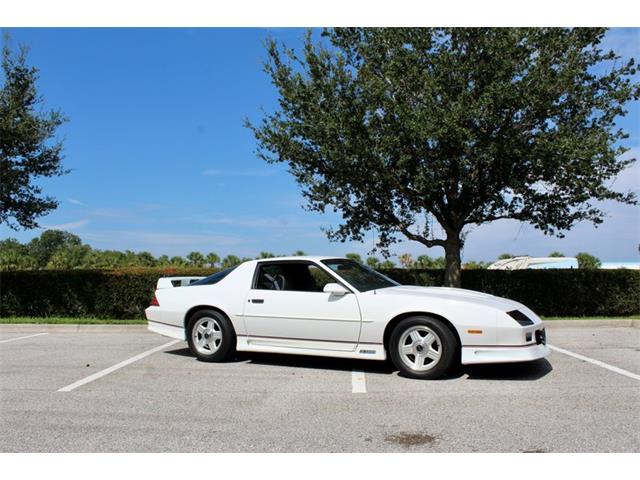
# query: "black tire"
{"type": "Point", "coordinates": [445, 342]}
{"type": "Point", "coordinates": [214, 351]}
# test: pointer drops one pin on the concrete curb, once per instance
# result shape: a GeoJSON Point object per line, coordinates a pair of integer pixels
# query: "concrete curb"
{"type": "Point", "coordinates": [623, 322]}
{"type": "Point", "coordinates": [70, 328]}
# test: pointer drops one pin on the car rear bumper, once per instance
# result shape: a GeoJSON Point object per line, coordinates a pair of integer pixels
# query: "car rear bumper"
{"type": "Point", "coordinates": [157, 325]}
{"type": "Point", "coordinates": [525, 353]}
{"type": "Point", "coordinates": [170, 331]}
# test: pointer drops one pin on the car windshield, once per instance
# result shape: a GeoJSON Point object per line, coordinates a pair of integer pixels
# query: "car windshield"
{"type": "Point", "coordinates": [358, 275]}
{"type": "Point", "coordinates": [215, 278]}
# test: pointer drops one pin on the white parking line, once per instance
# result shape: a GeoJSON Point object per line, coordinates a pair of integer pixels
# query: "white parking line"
{"type": "Point", "coordinates": [22, 338]}
{"type": "Point", "coordinates": [620, 371]}
{"type": "Point", "coordinates": [117, 366]}
{"type": "Point", "coordinates": [358, 382]}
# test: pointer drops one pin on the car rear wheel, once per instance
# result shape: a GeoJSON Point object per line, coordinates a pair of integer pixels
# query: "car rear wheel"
{"type": "Point", "coordinates": [422, 347]}
{"type": "Point", "coordinates": [211, 336]}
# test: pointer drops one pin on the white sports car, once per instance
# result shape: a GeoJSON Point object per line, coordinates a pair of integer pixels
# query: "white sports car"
{"type": "Point", "coordinates": [337, 307]}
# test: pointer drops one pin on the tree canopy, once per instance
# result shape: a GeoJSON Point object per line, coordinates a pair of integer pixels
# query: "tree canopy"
{"type": "Point", "coordinates": [586, 260]}
{"type": "Point", "coordinates": [59, 250]}
{"type": "Point", "coordinates": [396, 127]}
{"type": "Point", "coordinates": [28, 148]}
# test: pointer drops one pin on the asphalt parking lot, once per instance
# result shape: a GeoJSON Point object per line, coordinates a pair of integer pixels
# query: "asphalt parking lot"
{"type": "Point", "coordinates": [115, 389]}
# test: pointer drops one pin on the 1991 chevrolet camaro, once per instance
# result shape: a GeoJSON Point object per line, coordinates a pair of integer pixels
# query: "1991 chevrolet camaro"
{"type": "Point", "coordinates": [337, 307]}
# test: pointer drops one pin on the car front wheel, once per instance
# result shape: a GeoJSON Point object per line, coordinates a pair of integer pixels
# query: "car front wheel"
{"type": "Point", "coordinates": [422, 347]}
{"type": "Point", "coordinates": [211, 336]}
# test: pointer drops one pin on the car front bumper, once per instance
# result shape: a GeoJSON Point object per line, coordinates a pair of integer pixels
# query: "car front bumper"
{"type": "Point", "coordinates": [524, 353]}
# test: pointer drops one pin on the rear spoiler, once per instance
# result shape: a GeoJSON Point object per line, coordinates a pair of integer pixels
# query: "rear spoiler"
{"type": "Point", "coordinates": [171, 282]}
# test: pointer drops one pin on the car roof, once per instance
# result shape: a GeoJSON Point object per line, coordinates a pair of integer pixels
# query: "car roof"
{"type": "Point", "coordinates": [313, 258]}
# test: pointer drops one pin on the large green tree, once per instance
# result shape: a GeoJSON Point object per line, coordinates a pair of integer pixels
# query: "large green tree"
{"type": "Point", "coordinates": [28, 149]}
{"type": "Point", "coordinates": [15, 256]}
{"type": "Point", "coordinates": [75, 256]}
{"type": "Point", "coordinates": [586, 260]}
{"type": "Point", "coordinates": [51, 242]}
{"type": "Point", "coordinates": [397, 127]}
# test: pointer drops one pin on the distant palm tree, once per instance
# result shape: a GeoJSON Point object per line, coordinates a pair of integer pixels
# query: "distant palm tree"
{"type": "Point", "coordinates": [230, 261]}
{"type": "Point", "coordinates": [213, 259]}
{"type": "Point", "coordinates": [177, 261]}
{"type": "Point", "coordinates": [196, 259]}
{"type": "Point", "coordinates": [373, 262]}
{"type": "Point", "coordinates": [354, 256]}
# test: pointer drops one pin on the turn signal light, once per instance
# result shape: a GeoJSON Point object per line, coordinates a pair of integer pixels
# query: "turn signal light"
{"type": "Point", "coordinates": [474, 332]}
{"type": "Point", "coordinates": [154, 302]}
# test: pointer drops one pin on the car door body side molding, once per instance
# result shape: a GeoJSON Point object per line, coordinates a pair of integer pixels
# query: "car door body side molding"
{"type": "Point", "coordinates": [298, 317]}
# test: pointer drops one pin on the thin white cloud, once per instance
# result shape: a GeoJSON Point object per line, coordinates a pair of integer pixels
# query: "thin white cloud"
{"type": "Point", "coordinates": [73, 201]}
{"type": "Point", "coordinates": [183, 239]}
{"type": "Point", "coordinates": [117, 213]}
{"type": "Point", "coordinates": [247, 172]}
{"type": "Point", "coordinates": [168, 239]}
{"type": "Point", "coordinates": [274, 222]}
{"type": "Point", "coordinates": [67, 226]}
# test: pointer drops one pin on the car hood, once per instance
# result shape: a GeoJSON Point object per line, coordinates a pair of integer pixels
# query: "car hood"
{"type": "Point", "coordinates": [452, 295]}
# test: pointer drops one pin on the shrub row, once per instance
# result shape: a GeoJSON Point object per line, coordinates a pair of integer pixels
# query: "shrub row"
{"type": "Point", "coordinates": [126, 293]}
{"type": "Point", "coordinates": [82, 293]}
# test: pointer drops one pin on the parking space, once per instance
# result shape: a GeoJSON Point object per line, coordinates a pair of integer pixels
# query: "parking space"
{"type": "Point", "coordinates": [51, 361]}
{"type": "Point", "coordinates": [615, 346]}
{"type": "Point", "coordinates": [136, 392]}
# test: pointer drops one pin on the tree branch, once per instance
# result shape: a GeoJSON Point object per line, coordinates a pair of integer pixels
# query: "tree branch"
{"type": "Point", "coordinates": [436, 242]}
{"type": "Point", "coordinates": [493, 218]}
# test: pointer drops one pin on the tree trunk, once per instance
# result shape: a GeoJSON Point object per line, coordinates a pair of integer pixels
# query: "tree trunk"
{"type": "Point", "coordinates": [452, 248]}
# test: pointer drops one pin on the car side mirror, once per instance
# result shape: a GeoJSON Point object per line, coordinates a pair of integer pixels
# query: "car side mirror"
{"type": "Point", "coordinates": [335, 289]}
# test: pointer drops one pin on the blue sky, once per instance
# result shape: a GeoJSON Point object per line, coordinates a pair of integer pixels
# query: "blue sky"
{"type": "Point", "coordinates": [161, 162]}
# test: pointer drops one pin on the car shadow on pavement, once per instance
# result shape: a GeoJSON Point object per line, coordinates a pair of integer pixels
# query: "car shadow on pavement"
{"type": "Point", "coordinates": [300, 361]}
{"type": "Point", "coordinates": [181, 352]}
{"type": "Point", "coordinates": [320, 363]}
{"type": "Point", "coordinates": [509, 371]}
{"type": "Point", "coordinates": [506, 371]}
{"type": "Point", "coordinates": [185, 352]}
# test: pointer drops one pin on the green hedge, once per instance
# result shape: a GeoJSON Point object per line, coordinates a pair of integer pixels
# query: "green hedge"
{"type": "Point", "coordinates": [126, 293]}
{"type": "Point", "coordinates": [82, 293]}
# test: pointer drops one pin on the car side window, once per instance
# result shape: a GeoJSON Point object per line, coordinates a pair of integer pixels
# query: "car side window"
{"type": "Point", "coordinates": [270, 277]}
{"type": "Point", "coordinates": [320, 277]}
{"type": "Point", "coordinates": [291, 276]}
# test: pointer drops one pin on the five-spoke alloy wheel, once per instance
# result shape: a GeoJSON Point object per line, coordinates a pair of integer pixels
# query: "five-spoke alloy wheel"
{"type": "Point", "coordinates": [206, 335]}
{"type": "Point", "coordinates": [422, 347]}
{"type": "Point", "coordinates": [210, 335]}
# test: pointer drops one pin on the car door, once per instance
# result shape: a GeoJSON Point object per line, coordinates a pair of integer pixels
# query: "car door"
{"type": "Point", "coordinates": [287, 307]}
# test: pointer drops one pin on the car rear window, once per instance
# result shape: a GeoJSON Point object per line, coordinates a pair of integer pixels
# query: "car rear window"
{"type": "Point", "coordinates": [215, 278]}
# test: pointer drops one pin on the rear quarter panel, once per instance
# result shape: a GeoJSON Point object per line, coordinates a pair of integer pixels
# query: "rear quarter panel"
{"type": "Point", "coordinates": [228, 296]}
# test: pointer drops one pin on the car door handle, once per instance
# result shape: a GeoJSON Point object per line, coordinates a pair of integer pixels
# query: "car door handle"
{"type": "Point", "coordinates": [257, 300]}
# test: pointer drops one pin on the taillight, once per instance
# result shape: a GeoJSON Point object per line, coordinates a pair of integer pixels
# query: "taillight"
{"type": "Point", "coordinates": [154, 302]}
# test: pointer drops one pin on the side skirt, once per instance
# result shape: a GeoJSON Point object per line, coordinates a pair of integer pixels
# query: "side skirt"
{"type": "Point", "coordinates": [315, 348]}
